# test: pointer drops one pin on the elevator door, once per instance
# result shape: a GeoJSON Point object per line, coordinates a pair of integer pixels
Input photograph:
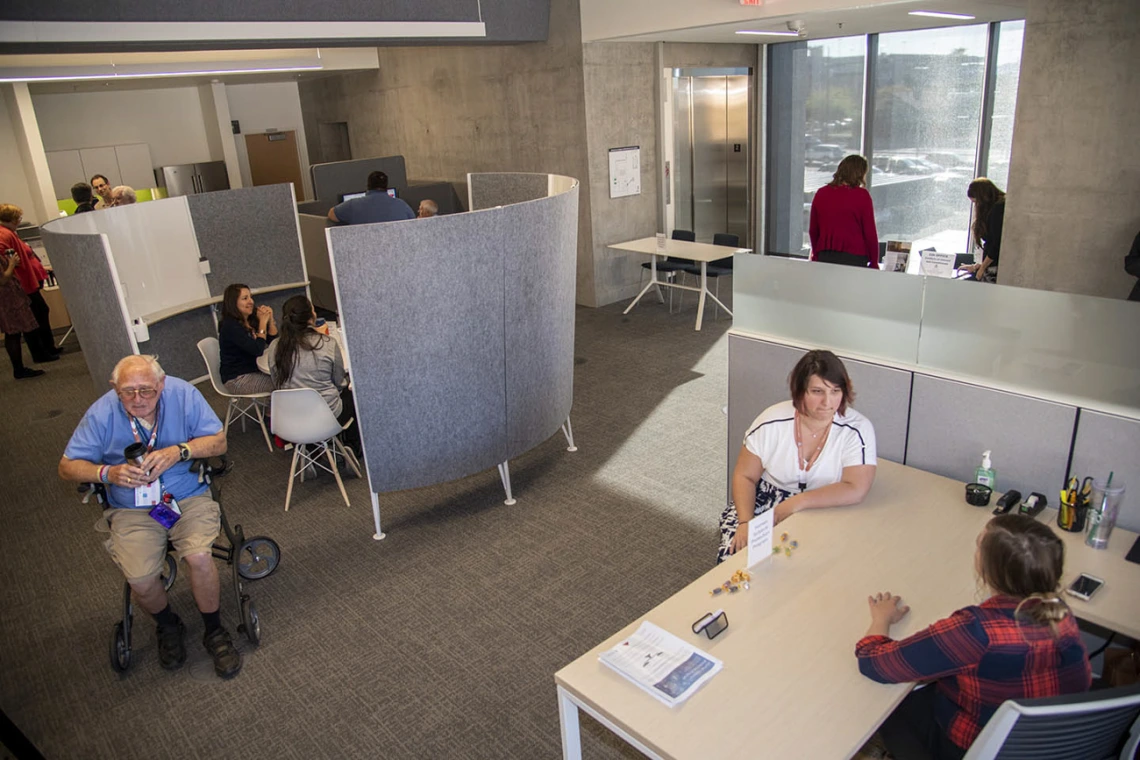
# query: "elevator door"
{"type": "Point", "coordinates": [710, 139]}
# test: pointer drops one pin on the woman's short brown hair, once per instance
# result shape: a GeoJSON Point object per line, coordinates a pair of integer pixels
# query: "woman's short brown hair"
{"type": "Point", "coordinates": [851, 172]}
{"type": "Point", "coordinates": [10, 213]}
{"type": "Point", "coordinates": [829, 369]}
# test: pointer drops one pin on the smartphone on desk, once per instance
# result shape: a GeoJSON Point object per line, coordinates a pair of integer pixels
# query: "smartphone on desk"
{"type": "Point", "coordinates": [1084, 586]}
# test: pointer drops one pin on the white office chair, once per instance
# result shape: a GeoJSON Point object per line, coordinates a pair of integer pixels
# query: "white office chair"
{"type": "Point", "coordinates": [302, 417]}
{"type": "Point", "coordinates": [246, 404]}
{"type": "Point", "coordinates": [1095, 725]}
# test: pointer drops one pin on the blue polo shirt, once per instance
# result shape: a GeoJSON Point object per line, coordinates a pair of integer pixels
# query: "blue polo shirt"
{"type": "Point", "coordinates": [105, 431]}
{"type": "Point", "coordinates": [375, 206]}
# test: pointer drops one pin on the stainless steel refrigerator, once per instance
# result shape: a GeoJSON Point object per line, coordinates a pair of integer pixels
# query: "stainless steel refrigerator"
{"type": "Point", "coordinates": [188, 179]}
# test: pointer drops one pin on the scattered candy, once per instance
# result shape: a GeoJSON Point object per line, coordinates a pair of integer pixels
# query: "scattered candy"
{"type": "Point", "coordinates": [788, 551]}
{"type": "Point", "coordinates": [795, 544]}
{"type": "Point", "coordinates": [783, 538]}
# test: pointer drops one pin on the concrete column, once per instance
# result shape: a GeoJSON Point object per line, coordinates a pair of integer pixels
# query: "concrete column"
{"type": "Point", "coordinates": [219, 132]}
{"type": "Point", "coordinates": [26, 129]}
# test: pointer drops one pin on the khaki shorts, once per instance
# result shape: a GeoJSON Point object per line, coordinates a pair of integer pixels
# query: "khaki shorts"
{"type": "Point", "coordinates": [138, 542]}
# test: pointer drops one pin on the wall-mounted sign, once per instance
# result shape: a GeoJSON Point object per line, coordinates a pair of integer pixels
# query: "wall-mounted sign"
{"type": "Point", "coordinates": [625, 171]}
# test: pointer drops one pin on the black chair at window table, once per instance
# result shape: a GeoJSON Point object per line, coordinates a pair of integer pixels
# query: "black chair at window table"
{"type": "Point", "coordinates": [670, 268]}
{"type": "Point", "coordinates": [716, 269]}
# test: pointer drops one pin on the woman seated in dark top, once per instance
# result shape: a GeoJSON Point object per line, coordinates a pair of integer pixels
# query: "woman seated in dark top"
{"type": "Point", "coordinates": [243, 333]}
{"type": "Point", "coordinates": [989, 213]}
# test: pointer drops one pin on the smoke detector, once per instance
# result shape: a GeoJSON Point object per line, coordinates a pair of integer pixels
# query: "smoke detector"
{"type": "Point", "coordinates": [797, 26]}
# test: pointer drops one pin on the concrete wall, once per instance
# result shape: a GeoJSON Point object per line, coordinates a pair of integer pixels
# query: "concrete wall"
{"type": "Point", "coordinates": [454, 110]}
{"type": "Point", "coordinates": [1074, 178]}
{"type": "Point", "coordinates": [275, 105]}
{"type": "Point", "coordinates": [14, 186]}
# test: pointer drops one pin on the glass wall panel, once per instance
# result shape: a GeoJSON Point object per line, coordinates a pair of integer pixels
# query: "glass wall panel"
{"type": "Point", "coordinates": [927, 108]}
{"type": "Point", "coordinates": [1010, 34]}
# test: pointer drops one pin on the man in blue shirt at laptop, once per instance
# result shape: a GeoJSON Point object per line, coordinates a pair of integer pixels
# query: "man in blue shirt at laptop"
{"type": "Point", "coordinates": [375, 206]}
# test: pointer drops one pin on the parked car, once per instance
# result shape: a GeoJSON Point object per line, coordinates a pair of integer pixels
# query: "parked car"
{"type": "Point", "coordinates": [824, 153]}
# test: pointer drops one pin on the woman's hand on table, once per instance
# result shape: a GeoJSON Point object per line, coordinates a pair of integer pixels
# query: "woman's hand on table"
{"type": "Point", "coordinates": [886, 610]}
{"type": "Point", "coordinates": [740, 540]}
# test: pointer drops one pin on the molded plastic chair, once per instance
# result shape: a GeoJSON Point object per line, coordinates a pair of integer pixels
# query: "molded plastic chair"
{"type": "Point", "coordinates": [716, 269]}
{"type": "Point", "coordinates": [670, 267]}
{"type": "Point", "coordinates": [301, 416]}
{"type": "Point", "coordinates": [1097, 725]}
{"type": "Point", "coordinates": [245, 405]}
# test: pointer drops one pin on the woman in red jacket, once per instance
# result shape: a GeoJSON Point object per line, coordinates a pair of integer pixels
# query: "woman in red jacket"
{"type": "Point", "coordinates": [843, 219]}
{"type": "Point", "coordinates": [30, 273]}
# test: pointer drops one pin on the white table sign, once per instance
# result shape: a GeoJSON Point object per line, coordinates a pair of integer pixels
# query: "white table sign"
{"type": "Point", "coordinates": [625, 171]}
{"type": "Point", "coordinates": [937, 264]}
{"type": "Point", "coordinates": [760, 537]}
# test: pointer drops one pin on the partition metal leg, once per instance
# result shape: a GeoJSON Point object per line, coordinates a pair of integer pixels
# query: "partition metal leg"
{"type": "Point", "coordinates": [571, 731]}
{"type": "Point", "coordinates": [505, 475]}
{"type": "Point", "coordinates": [704, 292]}
{"type": "Point", "coordinates": [569, 433]}
{"type": "Point", "coordinates": [379, 534]}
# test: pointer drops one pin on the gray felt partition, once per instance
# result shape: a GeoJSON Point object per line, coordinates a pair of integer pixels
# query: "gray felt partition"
{"type": "Point", "coordinates": [460, 333]}
{"type": "Point", "coordinates": [248, 235]}
{"type": "Point", "coordinates": [175, 341]}
{"type": "Point", "coordinates": [758, 377]}
{"type": "Point", "coordinates": [97, 312]}
{"type": "Point", "coordinates": [332, 180]}
{"type": "Point", "coordinates": [504, 188]}
{"type": "Point", "coordinates": [1107, 443]}
{"type": "Point", "coordinates": [952, 423]}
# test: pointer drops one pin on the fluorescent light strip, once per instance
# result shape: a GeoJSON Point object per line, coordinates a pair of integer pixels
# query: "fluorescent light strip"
{"type": "Point", "coordinates": [151, 74]}
{"type": "Point", "coordinates": [772, 34]}
{"type": "Point", "coordinates": [147, 31]}
{"type": "Point", "coordinates": [942, 14]}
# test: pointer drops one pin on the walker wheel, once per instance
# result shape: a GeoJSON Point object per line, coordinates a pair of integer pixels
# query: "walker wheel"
{"type": "Point", "coordinates": [169, 572]}
{"type": "Point", "coordinates": [120, 650]}
{"type": "Point", "coordinates": [251, 623]}
{"type": "Point", "coordinates": [258, 558]}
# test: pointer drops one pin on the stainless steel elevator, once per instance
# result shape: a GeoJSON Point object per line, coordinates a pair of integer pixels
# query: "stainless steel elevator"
{"type": "Point", "coordinates": [711, 151]}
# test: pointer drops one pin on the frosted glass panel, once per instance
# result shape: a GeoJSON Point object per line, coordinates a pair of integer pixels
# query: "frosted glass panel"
{"type": "Point", "coordinates": [1040, 340]}
{"type": "Point", "coordinates": [858, 311]}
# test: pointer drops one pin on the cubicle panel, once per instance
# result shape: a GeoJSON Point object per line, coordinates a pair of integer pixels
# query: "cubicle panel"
{"type": "Point", "coordinates": [539, 275]}
{"type": "Point", "coordinates": [175, 341]}
{"type": "Point", "coordinates": [849, 310]}
{"type": "Point", "coordinates": [882, 395]}
{"type": "Point", "coordinates": [98, 313]}
{"type": "Point", "coordinates": [332, 180]}
{"type": "Point", "coordinates": [952, 423]}
{"type": "Point", "coordinates": [422, 306]}
{"type": "Point", "coordinates": [1042, 341]}
{"type": "Point", "coordinates": [490, 189]}
{"type": "Point", "coordinates": [248, 235]}
{"type": "Point", "coordinates": [1106, 443]}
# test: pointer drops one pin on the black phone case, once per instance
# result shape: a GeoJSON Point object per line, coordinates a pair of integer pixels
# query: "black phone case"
{"type": "Point", "coordinates": [1133, 554]}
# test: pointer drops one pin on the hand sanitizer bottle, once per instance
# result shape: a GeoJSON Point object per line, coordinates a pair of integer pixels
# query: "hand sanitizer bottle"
{"type": "Point", "coordinates": [985, 473]}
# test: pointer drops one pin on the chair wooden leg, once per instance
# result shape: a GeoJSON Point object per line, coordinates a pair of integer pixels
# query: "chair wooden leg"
{"type": "Point", "coordinates": [292, 472]}
{"type": "Point", "coordinates": [348, 456]}
{"type": "Point", "coordinates": [261, 421]}
{"type": "Point", "coordinates": [229, 416]}
{"type": "Point", "coordinates": [336, 474]}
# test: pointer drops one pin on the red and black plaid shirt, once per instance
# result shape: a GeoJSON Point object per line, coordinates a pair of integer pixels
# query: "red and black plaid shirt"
{"type": "Point", "coordinates": [978, 658]}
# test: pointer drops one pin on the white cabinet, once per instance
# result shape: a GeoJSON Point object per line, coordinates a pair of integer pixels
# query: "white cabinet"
{"type": "Point", "coordinates": [120, 164]}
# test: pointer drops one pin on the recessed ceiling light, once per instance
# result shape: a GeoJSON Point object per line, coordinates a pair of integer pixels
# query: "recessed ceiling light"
{"type": "Point", "coordinates": [942, 14]}
{"type": "Point", "coordinates": [772, 34]}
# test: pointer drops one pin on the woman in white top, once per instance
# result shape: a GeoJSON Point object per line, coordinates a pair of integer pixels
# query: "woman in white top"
{"type": "Point", "coordinates": [812, 451]}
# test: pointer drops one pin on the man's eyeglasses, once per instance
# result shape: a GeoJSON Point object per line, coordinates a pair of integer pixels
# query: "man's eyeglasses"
{"type": "Point", "coordinates": [126, 394]}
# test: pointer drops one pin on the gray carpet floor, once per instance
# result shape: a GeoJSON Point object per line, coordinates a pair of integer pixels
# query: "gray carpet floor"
{"type": "Point", "coordinates": [440, 641]}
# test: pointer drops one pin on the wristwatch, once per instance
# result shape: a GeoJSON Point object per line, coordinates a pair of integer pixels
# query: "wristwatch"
{"type": "Point", "coordinates": [183, 452]}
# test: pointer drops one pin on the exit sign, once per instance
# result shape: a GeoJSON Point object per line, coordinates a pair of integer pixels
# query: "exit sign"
{"type": "Point", "coordinates": [751, 2]}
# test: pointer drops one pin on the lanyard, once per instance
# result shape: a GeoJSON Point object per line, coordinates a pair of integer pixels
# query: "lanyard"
{"type": "Point", "coordinates": [803, 466]}
{"type": "Point", "coordinates": [136, 430]}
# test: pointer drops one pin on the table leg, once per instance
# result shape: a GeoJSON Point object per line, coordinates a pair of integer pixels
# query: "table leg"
{"type": "Point", "coordinates": [704, 292]}
{"type": "Point", "coordinates": [644, 290]}
{"type": "Point", "coordinates": [653, 278]}
{"type": "Point", "coordinates": [571, 733]}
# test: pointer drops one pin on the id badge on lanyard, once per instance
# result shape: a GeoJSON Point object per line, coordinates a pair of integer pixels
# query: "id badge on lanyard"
{"type": "Point", "coordinates": [148, 494]}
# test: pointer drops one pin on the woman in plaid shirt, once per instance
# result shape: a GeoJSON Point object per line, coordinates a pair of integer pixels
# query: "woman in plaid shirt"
{"type": "Point", "coordinates": [1021, 642]}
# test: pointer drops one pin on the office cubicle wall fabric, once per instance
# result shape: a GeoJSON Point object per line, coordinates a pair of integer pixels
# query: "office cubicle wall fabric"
{"type": "Point", "coordinates": [460, 334]}
{"type": "Point", "coordinates": [175, 341]}
{"type": "Point", "coordinates": [98, 313]}
{"type": "Point", "coordinates": [315, 248]}
{"type": "Point", "coordinates": [248, 235]}
{"type": "Point", "coordinates": [504, 188]}
{"type": "Point", "coordinates": [758, 373]}
{"type": "Point", "coordinates": [1106, 443]}
{"type": "Point", "coordinates": [332, 180]}
{"type": "Point", "coordinates": [952, 423]}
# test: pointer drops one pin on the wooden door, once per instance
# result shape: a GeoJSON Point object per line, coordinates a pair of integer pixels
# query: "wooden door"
{"type": "Point", "coordinates": [273, 159]}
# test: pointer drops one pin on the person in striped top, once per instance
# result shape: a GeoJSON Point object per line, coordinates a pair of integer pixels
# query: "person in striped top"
{"type": "Point", "coordinates": [1021, 642]}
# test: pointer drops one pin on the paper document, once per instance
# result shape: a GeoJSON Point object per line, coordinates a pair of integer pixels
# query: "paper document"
{"type": "Point", "coordinates": [760, 537]}
{"type": "Point", "coordinates": [660, 663]}
{"type": "Point", "coordinates": [897, 255]}
{"type": "Point", "coordinates": [935, 264]}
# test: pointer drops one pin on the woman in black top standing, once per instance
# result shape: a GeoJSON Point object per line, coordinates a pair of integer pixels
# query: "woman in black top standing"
{"type": "Point", "coordinates": [243, 333]}
{"type": "Point", "coordinates": [989, 213]}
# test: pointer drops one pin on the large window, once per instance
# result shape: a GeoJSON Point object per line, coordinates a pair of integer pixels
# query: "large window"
{"type": "Point", "coordinates": [927, 99]}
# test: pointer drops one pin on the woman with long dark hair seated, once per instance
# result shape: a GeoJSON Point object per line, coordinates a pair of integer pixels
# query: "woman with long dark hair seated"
{"type": "Point", "coordinates": [302, 357]}
{"type": "Point", "coordinates": [243, 333]}
{"type": "Point", "coordinates": [989, 214]}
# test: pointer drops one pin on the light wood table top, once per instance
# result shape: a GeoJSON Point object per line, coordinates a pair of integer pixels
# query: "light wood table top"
{"type": "Point", "coordinates": [791, 686]}
{"type": "Point", "coordinates": [680, 249]}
